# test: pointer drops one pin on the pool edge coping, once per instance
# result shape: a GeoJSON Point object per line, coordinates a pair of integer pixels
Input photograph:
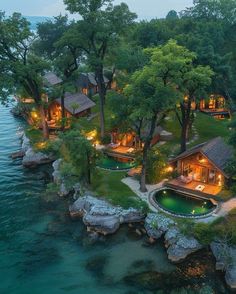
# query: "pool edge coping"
{"type": "Point", "coordinates": [157, 206]}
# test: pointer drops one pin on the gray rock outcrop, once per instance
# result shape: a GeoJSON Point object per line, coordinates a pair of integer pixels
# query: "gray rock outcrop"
{"type": "Point", "coordinates": [178, 245]}
{"type": "Point", "coordinates": [32, 158]}
{"type": "Point", "coordinates": [102, 217]}
{"type": "Point", "coordinates": [226, 261]}
{"type": "Point", "coordinates": [157, 225]}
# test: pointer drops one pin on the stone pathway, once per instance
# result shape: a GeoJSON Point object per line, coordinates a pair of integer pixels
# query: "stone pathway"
{"type": "Point", "coordinates": [223, 211]}
{"type": "Point", "coordinates": [134, 186]}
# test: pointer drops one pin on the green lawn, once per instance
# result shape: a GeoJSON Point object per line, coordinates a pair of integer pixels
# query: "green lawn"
{"type": "Point", "coordinates": [108, 185]}
{"type": "Point", "coordinates": [209, 127]}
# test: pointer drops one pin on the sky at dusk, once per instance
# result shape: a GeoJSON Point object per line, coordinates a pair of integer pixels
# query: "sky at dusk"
{"type": "Point", "coordinates": [146, 9]}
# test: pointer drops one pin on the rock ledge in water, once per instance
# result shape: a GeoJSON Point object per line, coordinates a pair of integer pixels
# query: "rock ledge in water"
{"type": "Point", "coordinates": [32, 158]}
{"type": "Point", "coordinates": [102, 217]}
{"type": "Point", "coordinates": [179, 246]}
{"type": "Point", "coordinates": [225, 261]}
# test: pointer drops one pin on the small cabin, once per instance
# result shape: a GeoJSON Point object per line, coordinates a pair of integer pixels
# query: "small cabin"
{"type": "Point", "coordinates": [88, 84]}
{"type": "Point", "coordinates": [51, 79]}
{"type": "Point", "coordinates": [76, 105]}
{"type": "Point", "coordinates": [215, 106]}
{"type": "Point", "coordinates": [204, 164]}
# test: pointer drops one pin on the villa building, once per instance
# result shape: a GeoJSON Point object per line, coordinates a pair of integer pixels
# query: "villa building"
{"type": "Point", "coordinates": [202, 168]}
{"type": "Point", "coordinates": [88, 84]}
{"type": "Point", "coordinates": [77, 105]}
{"type": "Point", "coordinates": [215, 106]}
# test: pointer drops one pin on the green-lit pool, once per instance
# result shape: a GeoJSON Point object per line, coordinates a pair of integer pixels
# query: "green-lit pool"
{"type": "Point", "coordinates": [112, 164]}
{"type": "Point", "coordinates": [183, 204]}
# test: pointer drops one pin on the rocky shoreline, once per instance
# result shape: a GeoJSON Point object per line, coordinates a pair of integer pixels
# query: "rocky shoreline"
{"type": "Point", "coordinates": [30, 158]}
{"type": "Point", "coordinates": [100, 217]}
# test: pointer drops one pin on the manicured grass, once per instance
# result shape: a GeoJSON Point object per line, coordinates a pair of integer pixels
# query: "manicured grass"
{"type": "Point", "coordinates": [209, 127]}
{"type": "Point", "coordinates": [108, 185]}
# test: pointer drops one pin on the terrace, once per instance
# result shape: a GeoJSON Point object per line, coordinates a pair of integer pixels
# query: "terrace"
{"type": "Point", "coordinates": [192, 187]}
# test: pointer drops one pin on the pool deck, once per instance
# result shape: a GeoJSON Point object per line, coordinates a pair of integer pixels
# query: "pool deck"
{"type": "Point", "coordinates": [133, 184]}
{"type": "Point", "coordinates": [210, 191]}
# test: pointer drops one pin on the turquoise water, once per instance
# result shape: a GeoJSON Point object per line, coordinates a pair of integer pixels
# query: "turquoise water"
{"type": "Point", "coordinates": [43, 252]}
{"type": "Point", "coordinates": [182, 204]}
{"type": "Point", "coordinates": [113, 164]}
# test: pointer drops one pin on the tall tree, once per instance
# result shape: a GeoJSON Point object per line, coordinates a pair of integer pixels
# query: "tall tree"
{"type": "Point", "coordinates": [20, 66]}
{"type": "Point", "coordinates": [151, 93]}
{"type": "Point", "coordinates": [63, 52]}
{"type": "Point", "coordinates": [81, 154]}
{"type": "Point", "coordinates": [101, 27]}
{"type": "Point", "coordinates": [194, 81]}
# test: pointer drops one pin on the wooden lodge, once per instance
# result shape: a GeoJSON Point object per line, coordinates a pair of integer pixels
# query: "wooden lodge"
{"type": "Point", "coordinates": [202, 168]}
{"type": "Point", "coordinates": [76, 105]}
{"type": "Point", "coordinates": [51, 79]}
{"type": "Point", "coordinates": [123, 146]}
{"type": "Point", "coordinates": [88, 84]}
{"type": "Point", "coordinates": [215, 106]}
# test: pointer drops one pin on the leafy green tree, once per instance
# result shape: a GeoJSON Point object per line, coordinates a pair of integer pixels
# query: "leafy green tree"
{"type": "Point", "coordinates": [100, 29]}
{"type": "Point", "coordinates": [172, 15]}
{"type": "Point", "coordinates": [194, 81]}
{"type": "Point", "coordinates": [80, 153]}
{"type": "Point", "coordinates": [20, 67]}
{"type": "Point", "coordinates": [152, 92]}
{"type": "Point", "coordinates": [63, 53]}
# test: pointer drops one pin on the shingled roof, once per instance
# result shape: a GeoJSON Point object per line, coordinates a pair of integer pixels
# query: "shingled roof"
{"type": "Point", "coordinates": [216, 150]}
{"type": "Point", "coordinates": [92, 79]}
{"type": "Point", "coordinates": [52, 79]}
{"type": "Point", "coordinates": [79, 99]}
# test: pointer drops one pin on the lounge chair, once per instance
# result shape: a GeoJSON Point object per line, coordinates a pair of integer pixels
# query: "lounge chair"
{"type": "Point", "coordinates": [185, 180]}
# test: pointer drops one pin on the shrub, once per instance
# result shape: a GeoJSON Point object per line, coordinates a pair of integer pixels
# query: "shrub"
{"type": "Point", "coordinates": [204, 233]}
{"type": "Point", "coordinates": [156, 167]}
{"type": "Point", "coordinates": [106, 139]}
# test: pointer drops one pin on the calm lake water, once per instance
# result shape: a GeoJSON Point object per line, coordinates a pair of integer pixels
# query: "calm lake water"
{"type": "Point", "coordinates": [43, 251]}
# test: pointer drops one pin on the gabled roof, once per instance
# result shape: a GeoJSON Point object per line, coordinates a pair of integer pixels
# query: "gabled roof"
{"type": "Point", "coordinates": [52, 79]}
{"type": "Point", "coordinates": [216, 150]}
{"type": "Point", "coordinates": [79, 99]}
{"type": "Point", "coordinates": [92, 79]}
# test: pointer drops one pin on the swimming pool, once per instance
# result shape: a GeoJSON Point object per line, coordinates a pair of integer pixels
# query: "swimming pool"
{"type": "Point", "coordinates": [111, 163]}
{"type": "Point", "coordinates": [183, 204]}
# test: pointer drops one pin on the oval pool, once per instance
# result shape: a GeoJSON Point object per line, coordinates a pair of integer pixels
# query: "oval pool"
{"type": "Point", "coordinates": [111, 163]}
{"type": "Point", "coordinates": [183, 204]}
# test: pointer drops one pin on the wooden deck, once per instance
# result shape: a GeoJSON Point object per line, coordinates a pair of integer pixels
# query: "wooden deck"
{"type": "Point", "coordinates": [215, 112]}
{"type": "Point", "coordinates": [121, 152]}
{"type": "Point", "coordinates": [209, 191]}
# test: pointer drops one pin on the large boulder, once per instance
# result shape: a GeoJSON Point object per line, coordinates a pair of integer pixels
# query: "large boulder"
{"type": "Point", "coordinates": [56, 171]}
{"type": "Point", "coordinates": [225, 256]}
{"type": "Point", "coordinates": [25, 143]}
{"type": "Point", "coordinates": [157, 224]}
{"type": "Point", "coordinates": [32, 158]}
{"type": "Point", "coordinates": [180, 246]}
{"type": "Point", "coordinates": [101, 216]}
{"type": "Point", "coordinates": [105, 225]}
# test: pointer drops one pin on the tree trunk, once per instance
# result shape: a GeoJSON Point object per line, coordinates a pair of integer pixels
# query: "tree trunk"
{"type": "Point", "coordinates": [63, 110]}
{"type": "Point", "coordinates": [88, 169]}
{"type": "Point", "coordinates": [143, 187]}
{"type": "Point", "coordinates": [44, 122]}
{"type": "Point", "coordinates": [184, 132]}
{"type": "Point", "coordinates": [102, 95]}
{"type": "Point", "coordinates": [185, 123]}
{"type": "Point", "coordinates": [146, 148]}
